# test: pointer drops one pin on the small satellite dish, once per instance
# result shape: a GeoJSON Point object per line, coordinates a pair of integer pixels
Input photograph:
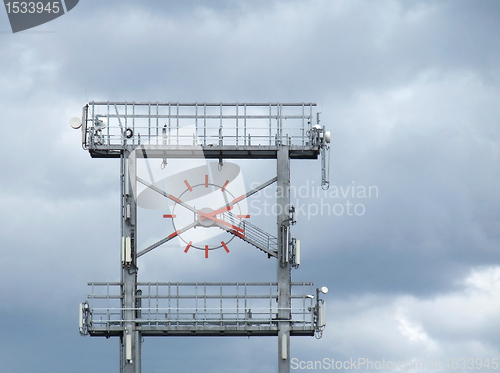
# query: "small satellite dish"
{"type": "Point", "coordinates": [75, 123]}
{"type": "Point", "coordinates": [327, 137]}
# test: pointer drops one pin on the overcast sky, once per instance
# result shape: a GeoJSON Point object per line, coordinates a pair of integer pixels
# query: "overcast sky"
{"type": "Point", "coordinates": [410, 91]}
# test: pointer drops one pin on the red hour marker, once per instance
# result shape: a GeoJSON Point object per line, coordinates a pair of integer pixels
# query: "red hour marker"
{"type": "Point", "coordinates": [174, 234]}
{"type": "Point", "coordinates": [188, 246]}
{"type": "Point", "coordinates": [240, 235]}
{"type": "Point", "coordinates": [206, 181]}
{"type": "Point", "coordinates": [238, 199]}
{"type": "Point", "coordinates": [174, 199]}
{"type": "Point", "coordinates": [225, 246]}
{"type": "Point", "coordinates": [225, 185]}
{"type": "Point", "coordinates": [237, 228]}
{"type": "Point", "coordinates": [189, 186]}
{"type": "Point", "coordinates": [169, 216]}
{"type": "Point", "coordinates": [206, 251]}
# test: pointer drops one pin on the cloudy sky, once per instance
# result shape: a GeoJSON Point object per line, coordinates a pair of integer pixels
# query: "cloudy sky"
{"type": "Point", "coordinates": [411, 93]}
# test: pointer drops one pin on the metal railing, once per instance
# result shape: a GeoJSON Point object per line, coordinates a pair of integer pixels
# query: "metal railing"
{"type": "Point", "coordinates": [114, 124]}
{"type": "Point", "coordinates": [253, 234]}
{"type": "Point", "coordinates": [206, 308]}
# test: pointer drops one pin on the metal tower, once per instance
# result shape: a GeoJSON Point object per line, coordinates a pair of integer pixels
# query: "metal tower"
{"type": "Point", "coordinates": [132, 310]}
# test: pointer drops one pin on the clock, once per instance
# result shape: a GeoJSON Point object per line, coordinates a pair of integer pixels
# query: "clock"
{"type": "Point", "coordinates": [207, 206]}
{"type": "Point", "coordinates": [202, 214]}
{"type": "Point", "coordinates": [207, 215]}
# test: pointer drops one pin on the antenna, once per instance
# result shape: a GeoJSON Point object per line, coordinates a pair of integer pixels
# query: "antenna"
{"type": "Point", "coordinates": [75, 123]}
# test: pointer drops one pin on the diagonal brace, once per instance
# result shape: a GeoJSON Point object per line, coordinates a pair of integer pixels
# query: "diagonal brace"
{"type": "Point", "coordinates": [169, 196]}
{"type": "Point", "coordinates": [166, 239]}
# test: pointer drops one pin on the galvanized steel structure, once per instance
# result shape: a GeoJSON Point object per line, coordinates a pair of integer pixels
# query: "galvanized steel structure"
{"type": "Point", "coordinates": [130, 309]}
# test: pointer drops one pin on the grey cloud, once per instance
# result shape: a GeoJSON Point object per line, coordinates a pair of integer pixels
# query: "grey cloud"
{"type": "Point", "coordinates": [408, 89]}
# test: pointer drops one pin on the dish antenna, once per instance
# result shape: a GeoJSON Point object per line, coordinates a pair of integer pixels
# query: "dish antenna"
{"type": "Point", "coordinates": [75, 123]}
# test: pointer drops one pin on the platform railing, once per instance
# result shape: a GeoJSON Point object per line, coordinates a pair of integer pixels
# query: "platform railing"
{"type": "Point", "coordinates": [200, 307]}
{"type": "Point", "coordinates": [113, 124]}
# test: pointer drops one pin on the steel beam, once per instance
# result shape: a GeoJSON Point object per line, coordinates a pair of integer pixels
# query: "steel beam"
{"type": "Point", "coordinates": [211, 152]}
{"type": "Point", "coordinates": [283, 266]}
{"type": "Point", "coordinates": [130, 340]}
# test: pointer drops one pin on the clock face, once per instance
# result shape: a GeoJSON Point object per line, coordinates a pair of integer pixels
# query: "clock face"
{"type": "Point", "coordinates": [206, 203]}
{"type": "Point", "coordinates": [214, 215]}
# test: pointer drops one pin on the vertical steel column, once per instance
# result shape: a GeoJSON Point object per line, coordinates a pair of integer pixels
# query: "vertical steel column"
{"type": "Point", "coordinates": [130, 340]}
{"type": "Point", "coordinates": [283, 268]}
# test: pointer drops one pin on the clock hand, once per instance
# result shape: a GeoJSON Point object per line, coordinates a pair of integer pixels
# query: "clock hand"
{"type": "Point", "coordinates": [175, 199]}
{"type": "Point", "coordinates": [207, 216]}
{"type": "Point", "coordinates": [230, 205]}
{"type": "Point", "coordinates": [219, 211]}
{"type": "Point", "coordinates": [246, 195]}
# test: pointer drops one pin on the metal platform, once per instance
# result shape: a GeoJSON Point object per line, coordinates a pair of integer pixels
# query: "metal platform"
{"type": "Point", "coordinates": [217, 130]}
{"type": "Point", "coordinates": [199, 309]}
